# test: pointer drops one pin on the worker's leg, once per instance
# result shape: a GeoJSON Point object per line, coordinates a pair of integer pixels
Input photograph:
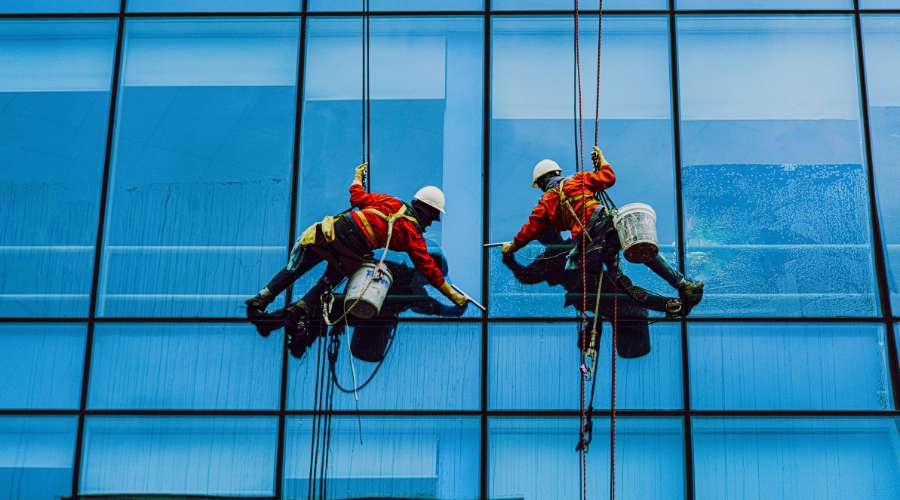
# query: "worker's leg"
{"type": "Point", "coordinates": [303, 258]}
{"type": "Point", "coordinates": [691, 292]}
{"type": "Point", "coordinates": [302, 317]}
{"type": "Point", "coordinates": [643, 297]}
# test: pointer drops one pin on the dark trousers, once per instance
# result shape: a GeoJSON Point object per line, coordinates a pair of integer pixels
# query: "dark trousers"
{"type": "Point", "coordinates": [344, 254]}
{"type": "Point", "coordinates": [603, 250]}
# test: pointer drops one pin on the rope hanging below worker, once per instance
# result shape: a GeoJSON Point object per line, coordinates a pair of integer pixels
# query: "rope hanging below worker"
{"type": "Point", "coordinates": [590, 339]}
{"type": "Point", "coordinates": [325, 379]}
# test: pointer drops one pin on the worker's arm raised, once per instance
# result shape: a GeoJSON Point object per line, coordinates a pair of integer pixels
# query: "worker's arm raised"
{"type": "Point", "coordinates": [360, 173]}
{"type": "Point", "coordinates": [603, 176]}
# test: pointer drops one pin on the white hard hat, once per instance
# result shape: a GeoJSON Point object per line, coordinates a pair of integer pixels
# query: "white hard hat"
{"type": "Point", "coordinates": [431, 196]}
{"type": "Point", "coordinates": [543, 168]}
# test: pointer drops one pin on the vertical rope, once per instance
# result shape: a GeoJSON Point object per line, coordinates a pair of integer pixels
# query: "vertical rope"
{"type": "Point", "coordinates": [597, 101]}
{"type": "Point", "coordinates": [612, 403]}
{"type": "Point", "coordinates": [366, 102]}
{"type": "Point", "coordinates": [579, 165]}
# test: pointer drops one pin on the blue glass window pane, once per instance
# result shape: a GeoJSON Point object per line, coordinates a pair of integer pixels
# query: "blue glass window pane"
{"type": "Point", "coordinates": [881, 44]}
{"type": "Point", "coordinates": [200, 188]}
{"type": "Point", "coordinates": [54, 93]}
{"type": "Point", "coordinates": [568, 5]}
{"type": "Point", "coordinates": [796, 458]}
{"type": "Point", "coordinates": [213, 5]}
{"type": "Point", "coordinates": [184, 367]}
{"type": "Point", "coordinates": [36, 457]}
{"type": "Point", "coordinates": [789, 367]}
{"type": "Point", "coordinates": [408, 378]}
{"type": "Point", "coordinates": [535, 458]}
{"type": "Point", "coordinates": [763, 4]}
{"type": "Point", "coordinates": [179, 455]}
{"type": "Point", "coordinates": [58, 6]}
{"type": "Point", "coordinates": [532, 119]}
{"type": "Point", "coordinates": [536, 367]}
{"type": "Point", "coordinates": [775, 196]}
{"type": "Point", "coordinates": [41, 365]}
{"type": "Point", "coordinates": [879, 4]}
{"type": "Point", "coordinates": [427, 101]}
{"type": "Point", "coordinates": [395, 457]}
{"type": "Point", "coordinates": [393, 5]}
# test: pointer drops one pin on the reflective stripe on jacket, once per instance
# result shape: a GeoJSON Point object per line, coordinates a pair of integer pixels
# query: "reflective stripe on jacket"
{"type": "Point", "coordinates": [579, 191]}
{"type": "Point", "coordinates": [406, 233]}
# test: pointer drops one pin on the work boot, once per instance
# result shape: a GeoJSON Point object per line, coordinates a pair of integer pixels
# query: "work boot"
{"type": "Point", "coordinates": [674, 308]}
{"type": "Point", "coordinates": [256, 312]}
{"type": "Point", "coordinates": [691, 293]}
{"type": "Point", "coordinates": [297, 343]}
{"type": "Point", "coordinates": [296, 327]}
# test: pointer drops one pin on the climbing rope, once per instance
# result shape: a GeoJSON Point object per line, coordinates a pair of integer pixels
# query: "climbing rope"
{"type": "Point", "coordinates": [366, 102]}
{"type": "Point", "coordinates": [320, 441]}
{"type": "Point", "coordinates": [327, 352]}
{"type": "Point", "coordinates": [589, 344]}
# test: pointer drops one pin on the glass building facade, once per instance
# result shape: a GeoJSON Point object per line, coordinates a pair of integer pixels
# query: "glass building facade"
{"type": "Point", "coordinates": [158, 157]}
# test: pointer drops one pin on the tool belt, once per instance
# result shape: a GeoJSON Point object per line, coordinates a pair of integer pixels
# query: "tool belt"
{"type": "Point", "coordinates": [339, 240]}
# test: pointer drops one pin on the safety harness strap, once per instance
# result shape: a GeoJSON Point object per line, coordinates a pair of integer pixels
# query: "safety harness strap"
{"type": "Point", "coordinates": [567, 202]}
{"type": "Point", "coordinates": [390, 219]}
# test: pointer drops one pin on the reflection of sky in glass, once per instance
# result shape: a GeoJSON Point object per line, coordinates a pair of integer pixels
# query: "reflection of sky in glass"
{"type": "Point", "coordinates": [882, 43]}
{"type": "Point", "coordinates": [36, 456]}
{"type": "Point", "coordinates": [200, 185]}
{"type": "Point", "coordinates": [59, 6]}
{"type": "Point", "coordinates": [764, 4]}
{"type": "Point", "coordinates": [213, 5]}
{"type": "Point", "coordinates": [54, 100]}
{"type": "Point", "coordinates": [775, 199]}
{"type": "Point", "coordinates": [802, 458]}
{"type": "Point", "coordinates": [40, 365]}
{"type": "Point", "coordinates": [789, 366]}
{"type": "Point", "coordinates": [531, 366]}
{"type": "Point", "coordinates": [401, 382]}
{"type": "Point", "coordinates": [188, 455]}
{"type": "Point", "coordinates": [535, 458]}
{"type": "Point", "coordinates": [394, 457]}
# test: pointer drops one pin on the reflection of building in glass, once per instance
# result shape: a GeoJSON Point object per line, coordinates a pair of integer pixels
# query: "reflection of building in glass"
{"type": "Point", "coordinates": [155, 164]}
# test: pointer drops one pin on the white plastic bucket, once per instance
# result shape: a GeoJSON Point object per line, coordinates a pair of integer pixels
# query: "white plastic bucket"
{"type": "Point", "coordinates": [636, 225]}
{"type": "Point", "coordinates": [367, 290]}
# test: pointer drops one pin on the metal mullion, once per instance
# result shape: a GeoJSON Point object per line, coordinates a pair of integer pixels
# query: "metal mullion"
{"type": "Point", "coordinates": [884, 293]}
{"type": "Point", "coordinates": [550, 412]}
{"type": "Point", "coordinates": [452, 13]}
{"type": "Point", "coordinates": [292, 222]}
{"type": "Point", "coordinates": [485, 252]}
{"type": "Point", "coordinates": [98, 247]}
{"type": "Point", "coordinates": [475, 320]}
{"type": "Point", "coordinates": [679, 209]}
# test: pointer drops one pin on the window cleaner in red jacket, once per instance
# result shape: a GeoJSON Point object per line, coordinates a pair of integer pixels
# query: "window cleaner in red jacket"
{"type": "Point", "coordinates": [346, 240]}
{"type": "Point", "coordinates": [570, 204]}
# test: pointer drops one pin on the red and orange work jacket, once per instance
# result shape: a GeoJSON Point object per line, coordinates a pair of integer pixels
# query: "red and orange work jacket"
{"type": "Point", "coordinates": [579, 191]}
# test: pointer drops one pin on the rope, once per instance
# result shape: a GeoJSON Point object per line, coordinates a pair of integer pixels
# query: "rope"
{"type": "Point", "coordinates": [586, 424]}
{"type": "Point", "coordinates": [366, 102]}
{"type": "Point", "coordinates": [579, 165]}
{"type": "Point", "coordinates": [597, 101]}
{"type": "Point", "coordinates": [612, 403]}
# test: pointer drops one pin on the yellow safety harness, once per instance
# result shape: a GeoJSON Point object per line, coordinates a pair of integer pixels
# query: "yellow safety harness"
{"type": "Point", "coordinates": [568, 200]}
{"type": "Point", "coordinates": [390, 219]}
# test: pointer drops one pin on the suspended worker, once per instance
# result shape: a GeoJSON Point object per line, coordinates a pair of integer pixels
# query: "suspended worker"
{"type": "Point", "coordinates": [346, 240]}
{"type": "Point", "coordinates": [570, 204]}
